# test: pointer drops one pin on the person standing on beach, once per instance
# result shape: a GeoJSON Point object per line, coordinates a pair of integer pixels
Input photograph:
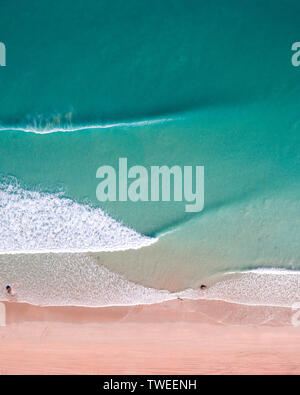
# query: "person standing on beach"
{"type": "Point", "coordinates": [9, 290]}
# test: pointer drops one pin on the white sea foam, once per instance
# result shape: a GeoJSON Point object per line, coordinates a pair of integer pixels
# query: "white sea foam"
{"type": "Point", "coordinates": [79, 280]}
{"type": "Point", "coordinates": [35, 222]}
{"type": "Point", "coordinates": [260, 287]}
{"type": "Point", "coordinates": [40, 129]}
{"type": "Point", "coordinates": [71, 280]}
{"type": "Point", "coordinates": [273, 271]}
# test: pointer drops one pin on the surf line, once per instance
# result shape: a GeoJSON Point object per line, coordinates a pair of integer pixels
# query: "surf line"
{"type": "Point", "coordinates": [160, 180]}
{"type": "Point", "coordinates": [79, 128]}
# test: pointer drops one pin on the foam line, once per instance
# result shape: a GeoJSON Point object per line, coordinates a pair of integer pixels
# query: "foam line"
{"type": "Point", "coordinates": [36, 130]}
{"type": "Point", "coordinates": [35, 222]}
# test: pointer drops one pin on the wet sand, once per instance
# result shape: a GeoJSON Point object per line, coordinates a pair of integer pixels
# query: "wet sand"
{"type": "Point", "coordinates": [177, 337]}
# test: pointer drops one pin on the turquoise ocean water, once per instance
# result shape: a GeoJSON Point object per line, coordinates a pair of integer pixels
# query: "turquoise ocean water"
{"type": "Point", "coordinates": [167, 82]}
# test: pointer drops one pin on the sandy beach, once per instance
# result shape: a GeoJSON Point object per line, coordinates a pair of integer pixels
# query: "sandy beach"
{"type": "Point", "coordinates": [178, 337]}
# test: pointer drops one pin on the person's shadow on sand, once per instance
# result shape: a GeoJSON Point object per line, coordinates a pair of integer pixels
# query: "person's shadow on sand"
{"type": "Point", "coordinates": [12, 297]}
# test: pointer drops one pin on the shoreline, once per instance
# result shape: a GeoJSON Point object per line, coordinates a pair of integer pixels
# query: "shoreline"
{"type": "Point", "coordinates": [174, 337]}
{"type": "Point", "coordinates": [265, 288]}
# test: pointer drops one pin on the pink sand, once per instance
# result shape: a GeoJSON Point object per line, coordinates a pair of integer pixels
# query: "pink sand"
{"type": "Point", "coordinates": [188, 337]}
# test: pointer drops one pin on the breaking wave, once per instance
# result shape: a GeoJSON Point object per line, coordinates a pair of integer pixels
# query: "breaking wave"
{"type": "Point", "coordinates": [58, 127]}
{"type": "Point", "coordinates": [36, 222]}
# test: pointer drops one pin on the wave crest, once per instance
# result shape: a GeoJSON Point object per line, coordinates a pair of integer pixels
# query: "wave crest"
{"type": "Point", "coordinates": [36, 222]}
{"type": "Point", "coordinates": [67, 128]}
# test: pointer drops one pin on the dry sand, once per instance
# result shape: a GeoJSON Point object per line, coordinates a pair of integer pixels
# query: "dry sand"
{"type": "Point", "coordinates": [178, 337]}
